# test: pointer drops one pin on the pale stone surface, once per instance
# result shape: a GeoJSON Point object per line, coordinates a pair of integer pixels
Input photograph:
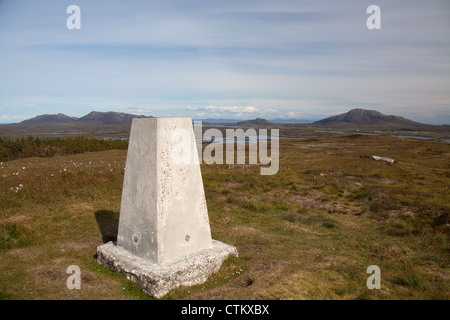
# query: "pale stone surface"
{"type": "Point", "coordinates": [163, 211]}
{"type": "Point", "coordinates": [164, 238]}
{"type": "Point", "coordinates": [158, 279]}
{"type": "Point", "coordinates": [389, 160]}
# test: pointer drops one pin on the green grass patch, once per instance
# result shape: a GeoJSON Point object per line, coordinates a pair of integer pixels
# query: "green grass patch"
{"type": "Point", "coordinates": [308, 232]}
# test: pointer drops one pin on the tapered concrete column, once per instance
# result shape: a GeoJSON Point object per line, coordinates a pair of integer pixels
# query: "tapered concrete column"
{"type": "Point", "coordinates": [163, 211]}
{"type": "Point", "coordinates": [163, 220]}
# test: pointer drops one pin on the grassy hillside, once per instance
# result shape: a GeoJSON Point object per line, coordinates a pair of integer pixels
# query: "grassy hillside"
{"type": "Point", "coordinates": [308, 232]}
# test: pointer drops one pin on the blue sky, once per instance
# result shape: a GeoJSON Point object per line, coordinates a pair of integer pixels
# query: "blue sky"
{"type": "Point", "coordinates": [225, 59]}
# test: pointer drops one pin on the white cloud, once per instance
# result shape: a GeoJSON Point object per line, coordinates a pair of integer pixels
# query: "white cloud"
{"type": "Point", "coordinates": [12, 119]}
{"type": "Point", "coordinates": [233, 109]}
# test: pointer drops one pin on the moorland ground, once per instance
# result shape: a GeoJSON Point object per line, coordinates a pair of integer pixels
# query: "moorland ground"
{"type": "Point", "coordinates": [308, 232]}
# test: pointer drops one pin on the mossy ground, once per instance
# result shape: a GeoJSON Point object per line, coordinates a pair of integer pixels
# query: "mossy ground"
{"type": "Point", "coordinates": [308, 232]}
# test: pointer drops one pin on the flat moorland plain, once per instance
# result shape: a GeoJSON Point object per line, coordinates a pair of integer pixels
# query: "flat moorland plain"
{"type": "Point", "coordinates": [308, 232]}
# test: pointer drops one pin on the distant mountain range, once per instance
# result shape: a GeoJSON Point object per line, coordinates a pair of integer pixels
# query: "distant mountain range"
{"type": "Point", "coordinates": [50, 118]}
{"type": "Point", "coordinates": [258, 122]}
{"type": "Point", "coordinates": [369, 118]}
{"type": "Point", "coordinates": [354, 118]}
{"type": "Point", "coordinates": [93, 118]}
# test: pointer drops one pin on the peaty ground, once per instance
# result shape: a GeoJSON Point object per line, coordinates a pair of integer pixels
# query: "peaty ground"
{"type": "Point", "coordinates": [308, 232]}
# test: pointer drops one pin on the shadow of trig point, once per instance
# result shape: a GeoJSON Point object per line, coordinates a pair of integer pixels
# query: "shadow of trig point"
{"type": "Point", "coordinates": [164, 238]}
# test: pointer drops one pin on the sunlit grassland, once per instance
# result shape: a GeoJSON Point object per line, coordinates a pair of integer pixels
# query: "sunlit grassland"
{"type": "Point", "coordinates": [308, 232]}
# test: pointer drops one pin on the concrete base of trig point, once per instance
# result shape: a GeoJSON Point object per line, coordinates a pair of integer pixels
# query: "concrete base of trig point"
{"type": "Point", "coordinates": [158, 279]}
{"type": "Point", "coordinates": [164, 238]}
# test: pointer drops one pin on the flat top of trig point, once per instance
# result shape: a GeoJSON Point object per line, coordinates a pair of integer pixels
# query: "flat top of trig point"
{"type": "Point", "coordinates": [161, 119]}
{"type": "Point", "coordinates": [162, 122]}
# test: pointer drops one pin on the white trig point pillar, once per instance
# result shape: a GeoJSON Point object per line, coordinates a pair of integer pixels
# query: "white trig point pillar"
{"type": "Point", "coordinates": [163, 212]}
{"type": "Point", "coordinates": [164, 238]}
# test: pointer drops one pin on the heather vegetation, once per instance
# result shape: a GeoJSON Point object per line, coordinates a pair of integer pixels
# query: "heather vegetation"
{"type": "Point", "coordinates": [11, 149]}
